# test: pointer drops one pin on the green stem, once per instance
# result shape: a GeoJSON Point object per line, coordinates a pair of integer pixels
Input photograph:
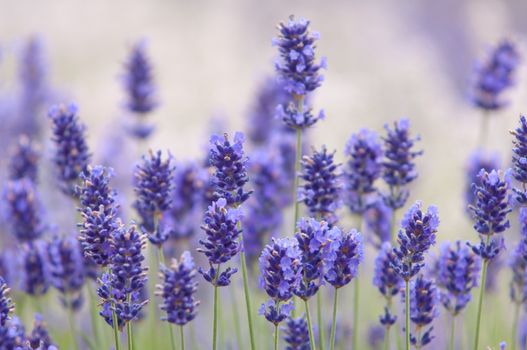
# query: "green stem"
{"type": "Point", "coordinates": [247, 292]}
{"type": "Point", "coordinates": [453, 333]}
{"type": "Point", "coordinates": [71, 321]}
{"type": "Point", "coordinates": [334, 321]}
{"type": "Point", "coordinates": [310, 327]}
{"type": "Point", "coordinates": [115, 330]}
{"type": "Point", "coordinates": [215, 318]}
{"type": "Point", "coordinates": [321, 333]}
{"type": "Point", "coordinates": [275, 337]}
{"type": "Point", "coordinates": [182, 337]}
{"type": "Point", "coordinates": [172, 339]}
{"type": "Point", "coordinates": [407, 312]}
{"type": "Point", "coordinates": [130, 337]}
{"type": "Point", "coordinates": [515, 326]}
{"type": "Point", "coordinates": [480, 303]}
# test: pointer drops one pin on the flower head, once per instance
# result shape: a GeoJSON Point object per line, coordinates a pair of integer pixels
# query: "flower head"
{"type": "Point", "coordinates": [349, 255]}
{"type": "Point", "coordinates": [296, 334]}
{"type": "Point", "coordinates": [71, 153]}
{"type": "Point", "coordinates": [378, 223]}
{"type": "Point", "coordinates": [398, 166]}
{"type": "Point", "coordinates": [298, 119]}
{"type": "Point", "coordinates": [457, 274]}
{"type": "Point", "coordinates": [34, 274]}
{"type": "Point", "coordinates": [423, 309]}
{"type": "Point", "coordinates": [494, 76]}
{"type": "Point", "coordinates": [178, 289]}
{"type": "Point", "coordinates": [297, 66]}
{"type": "Point", "coordinates": [387, 280]}
{"type": "Point", "coordinates": [416, 236]}
{"type": "Point", "coordinates": [478, 160]}
{"type": "Point", "coordinates": [39, 337]}
{"type": "Point", "coordinates": [23, 160]}
{"type": "Point", "coordinates": [363, 167]}
{"type": "Point", "coordinates": [6, 303]}
{"type": "Point", "coordinates": [12, 335]}
{"type": "Point", "coordinates": [320, 191]}
{"type": "Point", "coordinates": [519, 160]}
{"type": "Point", "coordinates": [138, 81]}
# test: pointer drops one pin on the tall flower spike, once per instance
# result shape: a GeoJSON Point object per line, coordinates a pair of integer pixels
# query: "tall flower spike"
{"type": "Point", "coordinates": [398, 166]}
{"type": "Point", "coordinates": [230, 165]}
{"type": "Point", "coordinates": [99, 214]}
{"type": "Point", "coordinates": [320, 191]}
{"type": "Point", "coordinates": [297, 67]}
{"type": "Point", "coordinates": [6, 303]}
{"type": "Point", "coordinates": [280, 274]}
{"type": "Point", "coordinates": [39, 337]}
{"type": "Point", "coordinates": [490, 212]}
{"type": "Point", "coordinates": [23, 160]}
{"type": "Point", "coordinates": [478, 160]}
{"type": "Point", "coordinates": [296, 334]}
{"type": "Point", "coordinates": [24, 210]}
{"type": "Point", "coordinates": [153, 186]}
{"type": "Point", "coordinates": [423, 310]}
{"type": "Point", "coordinates": [178, 290]}
{"type": "Point", "coordinates": [221, 242]}
{"type": "Point", "coordinates": [318, 245]}
{"type": "Point", "coordinates": [519, 160]}
{"type": "Point", "coordinates": [71, 151]}
{"type": "Point", "coordinates": [34, 274]}
{"type": "Point", "coordinates": [494, 76]}
{"type": "Point", "coordinates": [67, 270]}
{"type": "Point", "coordinates": [378, 223]}
{"type": "Point", "coordinates": [416, 236]}
{"type": "Point", "coordinates": [387, 280]}
{"type": "Point", "coordinates": [458, 270]}
{"type": "Point", "coordinates": [349, 255]}
{"type": "Point", "coordinates": [518, 264]}
{"type": "Point", "coordinates": [363, 167]}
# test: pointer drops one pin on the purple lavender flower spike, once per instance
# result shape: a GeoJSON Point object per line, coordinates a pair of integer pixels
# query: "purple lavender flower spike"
{"type": "Point", "coordinates": [34, 274]}
{"type": "Point", "coordinates": [423, 310]}
{"type": "Point", "coordinates": [416, 236]}
{"type": "Point", "coordinates": [363, 168]}
{"type": "Point", "coordinates": [12, 335]}
{"type": "Point", "coordinates": [490, 212]}
{"type": "Point", "coordinates": [320, 191]}
{"type": "Point", "coordinates": [458, 269]}
{"type": "Point", "coordinates": [387, 280]}
{"type": "Point", "coordinates": [280, 275]}
{"type": "Point", "coordinates": [349, 255]}
{"type": "Point", "coordinates": [23, 160]}
{"type": "Point", "coordinates": [178, 290]}
{"type": "Point", "coordinates": [230, 165]}
{"type": "Point", "coordinates": [398, 166]}
{"type": "Point", "coordinates": [519, 160]}
{"type": "Point", "coordinates": [296, 334]}
{"type": "Point", "coordinates": [318, 244]}
{"type": "Point", "coordinates": [518, 284]}
{"type": "Point", "coordinates": [378, 223]}
{"type": "Point", "coordinates": [221, 242]}
{"type": "Point", "coordinates": [478, 160]}
{"type": "Point", "coordinates": [296, 119]}
{"type": "Point", "coordinates": [71, 156]}
{"type": "Point", "coordinates": [67, 272]}
{"type": "Point", "coordinates": [6, 303]}
{"type": "Point", "coordinates": [39, 337]}
{"type": "Point", "coordinates": [494, 76]}
{"type": "Point", "coordinates": [153, 186]}
{"type": "Point", "coordinates": [297, 67]}
{"type": "Point", "coordinates": [24, 210]}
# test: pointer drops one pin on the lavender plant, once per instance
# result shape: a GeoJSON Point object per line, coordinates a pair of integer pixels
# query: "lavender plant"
{"type": "Point", "coordinates": [519, 156]}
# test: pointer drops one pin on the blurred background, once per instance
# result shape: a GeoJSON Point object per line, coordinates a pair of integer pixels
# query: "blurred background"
{"type": "Point", "coordinates": [386, 60]}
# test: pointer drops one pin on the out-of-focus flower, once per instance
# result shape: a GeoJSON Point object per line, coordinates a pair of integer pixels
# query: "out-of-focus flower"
{"type": "Point", "coordinates": [23, 160]}
{"type": "Point", "coordinates": [478, 160]}
{"type": "Point", "coordinates": [39, 337]}
{"type": "Point", "coordinates": [6, 303]}
{"type": "Point", "coordinates": [423, 310]}
{"type": "Point", "coordinates": [376, 335]}
{"type": "Point", "coordinates": [12, 335]}
{"type": "Point", "coordinates": [34, 274]}
{"type": "Point", "coordinates": [296, 334]}
{"type": "Point", "coordinates": [378, 223]}
{"type": "Point", "coordinates": [387, 280]}
{"type": "Point", "coordinates": [349, 255]}
{"type": "Point", "coordinates": [519, 160]}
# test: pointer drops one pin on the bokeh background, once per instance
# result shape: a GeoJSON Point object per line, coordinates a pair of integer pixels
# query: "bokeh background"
{"type": "Point", "coordinates": [387, 59]}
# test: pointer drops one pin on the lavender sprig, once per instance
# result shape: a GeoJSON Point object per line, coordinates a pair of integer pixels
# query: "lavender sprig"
{"type": "Point", "coordinates": [423, 310]}
{"type": "Point", "coordinates": [23, 159]}
{"type": "Point", "coordinates": [519, 160]}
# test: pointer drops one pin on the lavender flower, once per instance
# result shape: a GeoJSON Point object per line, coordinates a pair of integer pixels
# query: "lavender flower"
{"type": "Point", "coordinates": [398, 166]}
{"type": "Point", "coordinates": [6, 303]}
{"type": "Point", "coordinates": [494, 76]}
{"type": "Point", "coordinates": [24, 210]}
{"type": "Point", "coordinates": [23, 160]}
{"type": "Point", "coordinates": [378, 223]}
{"type": "Point", "coordinates": [67, 270]}
{"type": "Point", "coordinates": [178, 290]}
{"type": "Point", "coordinates": [519, 160]}
{"type": "Point", "coordinates": [363, 167]}
{"type": "Point", "coordinates": [295, 118]}
{"type": "Point", "coordinates": [221, 243]}
{"type": "Point", "coordinates": [416, 236]}
{"type": "Point", "coordinates": [297, 66]}
{"type": "Point", "coordinates": [296, 334]}
{"type": "Point", "coordinates": [457, 274]}
{"type": "Point", "coordinates": [230, 165]}
{"type": "Point", "coordinates": [387, 280]}
{"type": "Point", "coordinates": [39, 337]}
{"type": "Point", "coordinates": [423, 310]}
{"type": "Point", "coordinates": [281, 272]}
{"type": "Point", "coordinates": [318, 243]}
{"type": "Point", "coordinates": [376, 335]}
{"type": "Point", "coordinates": [478, 160]}
{"type": "Point", "coordinates": [12, 335]}
{"type": "Point", "coordinates": [34, 274]}
{"type": "Point", "coordinates": [518, 284]}
{"type": "Point", "coordinates": [320, 191]}
{"type": "Point", "coordinates": [490, 212]}
{"type": "Point", "coordinates": [349, 254]}
{"type": "Point", "coordinates": [71, 154]}
{"type": "Point", "coordinates": [153, 186]}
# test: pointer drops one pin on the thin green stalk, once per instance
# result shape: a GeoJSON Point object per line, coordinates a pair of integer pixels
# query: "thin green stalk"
{"type": "Point", "coordinates": [480, 303]}
{"type": "Point", "coordinates": [407, 312]}
{"type": "Point", "coordinates": [514, 338]}
{"type": "Point", "coordinates": [310, 327]}
{"type": "Point", "coordinates": [71, 321]}
{"type": "Point", "coordinates": [236, 316]}
{"type": "Point", "coordinates": [115, 330]}
{"type": "Point", "coordinates": [94, 316]}
{"type": "Point", "coordinates": [453, 333]}
{"type": "Point", "coordinates": [247, 293]}
{"type": "Point", "coordinates": [321, 333]}
{"type": "Point", "coordinates": [172, 339]}
{"type": "Point", "coordinates": [182, 337]}
{"type": "Point", "coordinates": [334, 321]}
{"type": "Point", "coordinates": [129, 329]}
{"type": "Point", "coordinates": [215, 318]}
{"type": "Point", "coordinates": [275, 337]}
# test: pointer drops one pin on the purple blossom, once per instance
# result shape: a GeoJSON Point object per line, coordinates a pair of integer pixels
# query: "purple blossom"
{"type": "Point", "coordinates": [39, 337]}
{"type": "Point", "coordinates": [377, 221]}
{"type": "Point", "coordinates": [349, 254]}
{"type": "Point", "coordinates": [6, 303]}
{"type": "Point", "coordinates": [296, 334]}
{"type": "Point", "coordinates": [478, 160]}
{"type": "Point", "coordinates": [34, 274]}
{"type": "Point", "coordinates": [387, 280]}
{"type": "Point", "coordinates": [298, 119]}
{"type": "Point", "coordinates": [423, 309]}
{"type": "Point", "coordinates": [23, 160]}
{"type": "Point", "coordinates": [12, 335]}
{"type": "Point", "coordinates": [519, 160]}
